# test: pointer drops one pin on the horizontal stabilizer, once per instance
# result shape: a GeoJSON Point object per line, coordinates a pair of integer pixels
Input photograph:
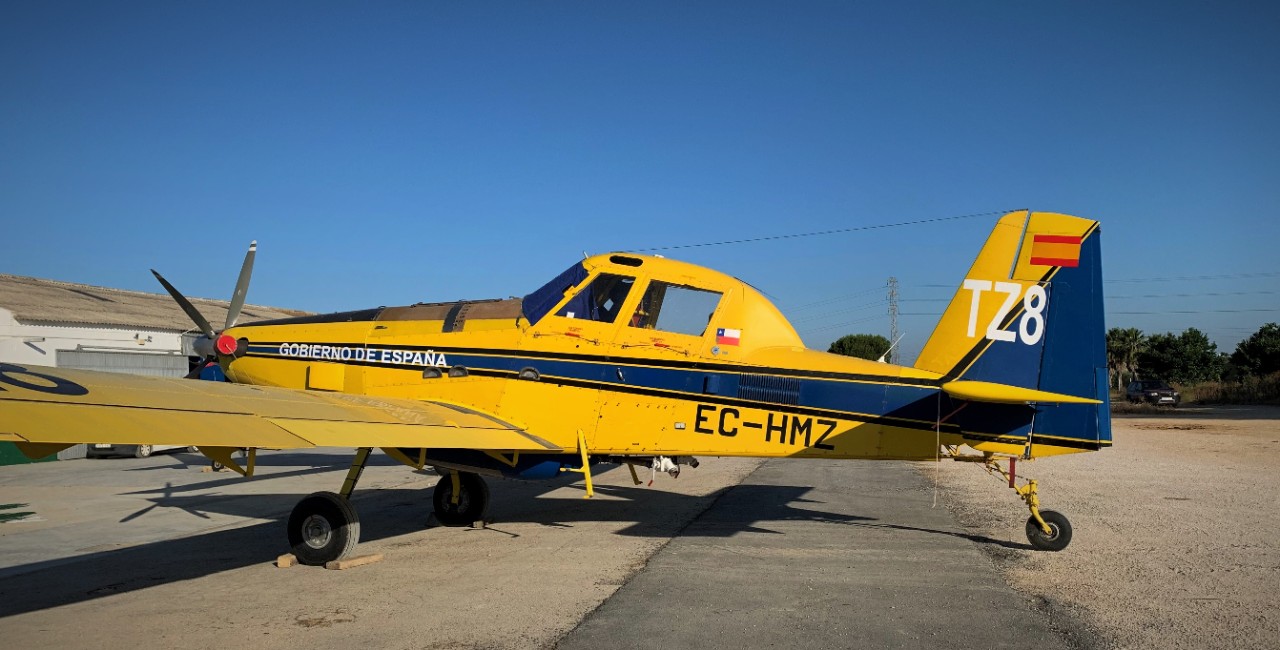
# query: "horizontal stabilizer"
{"type": "Point", "coordinates": [985, 391]}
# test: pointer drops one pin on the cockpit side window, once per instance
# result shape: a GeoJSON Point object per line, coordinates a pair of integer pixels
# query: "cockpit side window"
{"type": "Point", "coordinates": [675, 308]}
{"type": "Point", "coordinates": [601, 300]}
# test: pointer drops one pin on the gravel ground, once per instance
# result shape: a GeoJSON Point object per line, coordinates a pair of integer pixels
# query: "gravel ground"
{"type": "Point", "coordinates": [1175, 540]}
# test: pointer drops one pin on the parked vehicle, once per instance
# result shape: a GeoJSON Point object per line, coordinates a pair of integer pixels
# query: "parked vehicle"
{"type": "Point", "coordinates": [102, 450]}
{"type": "Point", "coordinates": [1152, 391]}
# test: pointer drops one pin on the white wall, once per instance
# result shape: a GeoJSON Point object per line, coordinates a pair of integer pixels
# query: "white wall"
{"type": "Point", "coordinates": [23, 344]}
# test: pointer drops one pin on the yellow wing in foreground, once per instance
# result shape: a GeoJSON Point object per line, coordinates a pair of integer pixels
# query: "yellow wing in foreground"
{"type": "Point", "coordinates": [45, 409]}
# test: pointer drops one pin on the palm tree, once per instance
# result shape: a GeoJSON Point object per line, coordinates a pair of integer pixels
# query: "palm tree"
{"type": "Point", "coordinates": [1113, 356]}
{"type": "Point", "coordinates": [1123, 348]}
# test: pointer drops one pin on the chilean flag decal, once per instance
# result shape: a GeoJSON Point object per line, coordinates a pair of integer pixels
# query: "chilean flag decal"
{"type": "Point", "coordinates": [726, 336]}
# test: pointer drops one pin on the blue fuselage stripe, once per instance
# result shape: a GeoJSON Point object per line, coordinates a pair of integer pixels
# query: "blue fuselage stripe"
{"type": "Point", "coordinates": [861, 397]}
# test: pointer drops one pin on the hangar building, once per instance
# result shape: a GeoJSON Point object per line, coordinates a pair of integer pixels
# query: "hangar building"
{"type": "Point", "coordinates": [68, 325]}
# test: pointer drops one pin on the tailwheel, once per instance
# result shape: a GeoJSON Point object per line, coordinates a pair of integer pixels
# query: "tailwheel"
{"type": "Point", "coordinates": [461, 499]}
{"type": "Point", "coordinates": [1057, 539]}
{"type": "Point", "coordinates": [1047, 530]}
{"type": "Point", "coordinates": [323, 527]}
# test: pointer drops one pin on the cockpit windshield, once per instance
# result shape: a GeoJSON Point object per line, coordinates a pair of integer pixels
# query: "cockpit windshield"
{"type": "Point", "coordinates": [601, 300]}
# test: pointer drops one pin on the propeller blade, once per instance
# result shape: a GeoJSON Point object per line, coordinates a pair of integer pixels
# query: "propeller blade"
{"type": "Point", "coordinates": [186, 306]}
{"type": "Point", "coordinates": [242, 286]}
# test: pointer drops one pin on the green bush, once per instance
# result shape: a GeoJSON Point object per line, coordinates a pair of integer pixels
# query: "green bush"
{"type": "Point", "coordinates": [1248, 390]}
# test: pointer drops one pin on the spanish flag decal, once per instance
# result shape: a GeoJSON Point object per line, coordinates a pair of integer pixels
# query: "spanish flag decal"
{"type": "Point", "coordinates": [1055, 250]}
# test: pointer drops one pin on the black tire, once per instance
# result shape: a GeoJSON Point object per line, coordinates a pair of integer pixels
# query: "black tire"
{"type": "Point", "coordinates": [1056, 541]}
{"type": "Point", "coordinates": [323, 527]}
{"type": "Point", "coordinates": [142, 451]}
{"type": "Point", "coordinates": [473, 502]}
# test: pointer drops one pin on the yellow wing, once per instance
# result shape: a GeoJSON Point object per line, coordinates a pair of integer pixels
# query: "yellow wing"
{"type": "Point", "coordinates": [45, 409]}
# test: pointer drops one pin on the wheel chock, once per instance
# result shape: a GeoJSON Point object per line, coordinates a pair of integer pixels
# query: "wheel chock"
{"type": "Point", "coordinates": [287, 560]}
{"type": "Point", "coordinates": [352, 562]}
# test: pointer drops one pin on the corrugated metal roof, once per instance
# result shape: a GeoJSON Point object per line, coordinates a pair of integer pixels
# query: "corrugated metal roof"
{"type": "Point", "coordinates": [33, 300]}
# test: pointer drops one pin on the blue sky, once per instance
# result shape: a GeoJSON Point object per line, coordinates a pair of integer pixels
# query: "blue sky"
{"type": "Point", "coordinates": [394, 152]}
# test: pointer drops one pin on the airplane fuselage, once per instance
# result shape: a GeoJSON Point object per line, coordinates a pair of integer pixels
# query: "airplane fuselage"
{"type": "Point", "coordinates": [741, 385]}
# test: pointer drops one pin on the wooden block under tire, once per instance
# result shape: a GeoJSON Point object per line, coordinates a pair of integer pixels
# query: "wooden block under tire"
{"type": "Point", "coordinates": [287, 560]}
{"type": "Point", "coordinates": [352, 562]}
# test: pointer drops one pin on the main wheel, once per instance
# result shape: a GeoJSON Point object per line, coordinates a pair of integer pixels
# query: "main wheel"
{"type": "Point", "coordinates": [473, 500]}
{"type": "Point", "coordinates": [142, 451]}
{"type": "Point", "coordinates": [1055, 541]}
{"type": "Point", "coordinates": [323, 527]}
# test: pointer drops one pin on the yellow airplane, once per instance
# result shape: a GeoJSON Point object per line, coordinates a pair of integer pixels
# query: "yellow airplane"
{"type": "Point", "coordinates": [621, 358]}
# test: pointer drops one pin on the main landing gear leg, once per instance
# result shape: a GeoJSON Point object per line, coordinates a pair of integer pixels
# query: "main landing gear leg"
{"type": "Point", "coordinates": [324, 526]}
{"type": "Point", "coordinates": [461, 499]}
{"type": "Point", "coordinates": [1047, 530]}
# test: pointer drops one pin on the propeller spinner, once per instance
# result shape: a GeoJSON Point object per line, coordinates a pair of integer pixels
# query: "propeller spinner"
{"type": "Point", "coordinates": [209, 345]}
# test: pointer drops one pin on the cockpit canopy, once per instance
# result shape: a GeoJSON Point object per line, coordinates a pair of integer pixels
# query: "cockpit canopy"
{"type": "Point", "coordinates": [668, 297]}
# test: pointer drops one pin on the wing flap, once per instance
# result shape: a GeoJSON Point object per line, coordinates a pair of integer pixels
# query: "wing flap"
{"type": "Point", "coordinates": [373, 434]}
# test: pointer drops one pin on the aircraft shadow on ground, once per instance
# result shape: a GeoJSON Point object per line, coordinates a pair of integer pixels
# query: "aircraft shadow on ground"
{"type": "Point", "coordinates": [749, 508]}
{"type": "Point", "coordinates": [392, 513]}
{"type": "Point", "coordinates": [228, 478]}
{"type": "Point", "coordinates": [185, 460]}
{"type": "Point", "coordinates": [266, 469]}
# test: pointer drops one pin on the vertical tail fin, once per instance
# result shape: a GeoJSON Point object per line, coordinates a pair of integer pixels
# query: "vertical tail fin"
{"type": "Point", "coordinates": [1029, 313]}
